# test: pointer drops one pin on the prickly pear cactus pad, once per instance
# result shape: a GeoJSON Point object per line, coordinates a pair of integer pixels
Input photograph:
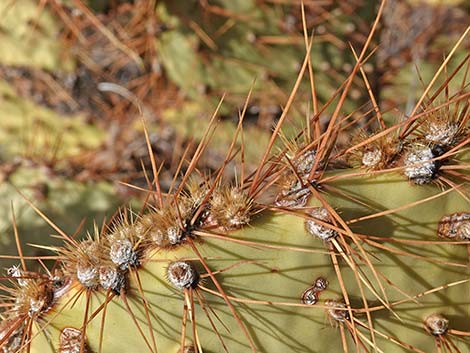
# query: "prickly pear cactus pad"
{"type": "Point", "coordinates": [375, 259]}
{"type": "Point", "coordinates": [268, 274]}
{"type": "Point", "coordinates": [322, 248]}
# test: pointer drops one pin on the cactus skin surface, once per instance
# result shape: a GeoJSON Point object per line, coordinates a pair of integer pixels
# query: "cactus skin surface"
{"type": "Point", "coordinates": [372, 258]}
{"type": "Point", "coordinates": [265, 279]}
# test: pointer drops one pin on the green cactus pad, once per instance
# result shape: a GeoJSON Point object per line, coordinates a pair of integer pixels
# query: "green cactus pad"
{"type": "Point", "coordinates": [262, 278]}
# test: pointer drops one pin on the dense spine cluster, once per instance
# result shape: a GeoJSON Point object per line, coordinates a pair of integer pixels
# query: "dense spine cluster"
{"type": "Point", "coordinates": [374, 236]}
{"type": "Point", "coordinates": [112, 259]}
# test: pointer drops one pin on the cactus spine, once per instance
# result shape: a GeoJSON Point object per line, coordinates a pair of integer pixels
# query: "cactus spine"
{"type": "Point", "coordinates": [306, 254]}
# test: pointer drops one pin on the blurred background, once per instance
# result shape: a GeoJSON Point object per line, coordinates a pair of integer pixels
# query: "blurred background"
{"type": "Point", "coordinates": [77, 79]}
